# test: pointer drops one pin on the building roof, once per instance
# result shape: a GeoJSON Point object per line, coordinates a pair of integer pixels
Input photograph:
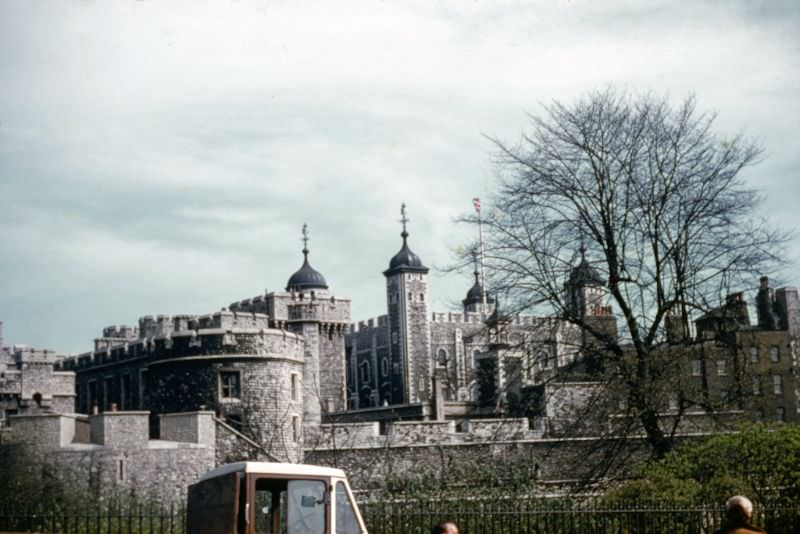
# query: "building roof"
{"type": "Point", "coordinates": [306, 277]}
{"type": "Point", "coordinates": [405, 260]}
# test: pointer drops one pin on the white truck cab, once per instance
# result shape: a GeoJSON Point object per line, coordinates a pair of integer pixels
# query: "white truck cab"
{"type": "Point", "coordinates": [272, 498]}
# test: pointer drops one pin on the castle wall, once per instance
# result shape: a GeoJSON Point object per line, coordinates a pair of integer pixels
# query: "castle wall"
{"type": "Point", "coordinates": [123, 461]}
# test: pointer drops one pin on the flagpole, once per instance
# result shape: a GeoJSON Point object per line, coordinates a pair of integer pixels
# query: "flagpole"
{"type": "Point", "coordinates": [477, 203]}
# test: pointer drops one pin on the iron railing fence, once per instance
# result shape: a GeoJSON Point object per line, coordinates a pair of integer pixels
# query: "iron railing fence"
{"type": "Point", "coordinates": [418, 516]}
{"type": "Point", "coordinates": [563, 517]}
{"type": "Point", "coordinates": [113, 518]}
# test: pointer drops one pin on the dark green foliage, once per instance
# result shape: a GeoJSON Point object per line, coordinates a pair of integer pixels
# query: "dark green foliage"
{"type": "Point", "coordinates": [758, 461]}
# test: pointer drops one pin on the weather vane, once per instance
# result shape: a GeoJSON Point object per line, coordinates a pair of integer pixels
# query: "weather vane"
{"type": "Point", "coordinates": [305, 238]}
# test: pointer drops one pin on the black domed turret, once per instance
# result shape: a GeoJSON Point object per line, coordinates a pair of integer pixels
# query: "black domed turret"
{"type": "Point", "coordinates": [405, 260]}
{"type": "Point", "coordinates": [306, 277]}
{"type": "Point", "coordinates": [475, 293]}
{"type": "Point", "coordinates": [584, 274]}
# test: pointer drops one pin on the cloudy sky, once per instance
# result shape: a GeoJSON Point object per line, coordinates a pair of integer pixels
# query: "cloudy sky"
{"type": "Point", "coordinates": [160, 157]}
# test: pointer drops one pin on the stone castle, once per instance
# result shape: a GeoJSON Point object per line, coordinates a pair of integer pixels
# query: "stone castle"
{"type": "Point", "coordinates": [287, 375]}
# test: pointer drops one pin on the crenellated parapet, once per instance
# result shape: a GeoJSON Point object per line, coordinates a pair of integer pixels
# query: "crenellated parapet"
{"type": "Point", "coordinates": [285, 307]}
{"type": "Point", "coordinates": [223, 332]}
{"type": "Point", "coordinates": [423, 433]}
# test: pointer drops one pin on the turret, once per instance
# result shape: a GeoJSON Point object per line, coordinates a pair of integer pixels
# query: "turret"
{"type": "Point", "coordinates": [478, 299]}
{"type": "Point", "coordinates": [407, 297]}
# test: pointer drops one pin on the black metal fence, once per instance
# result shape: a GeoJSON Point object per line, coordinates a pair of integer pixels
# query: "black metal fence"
{"type": "Point", "coordinates": [149, 518]}
{"type": "Point", "coordinates": [566, 517]}
{"type": "Point", "coordinates": [418, 516]}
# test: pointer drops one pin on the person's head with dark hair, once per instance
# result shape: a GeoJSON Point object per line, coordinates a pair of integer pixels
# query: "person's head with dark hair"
{"type": "Point", "coordinates": [445, 527]}
{"type": "Point", "coordinates": [739, 509]}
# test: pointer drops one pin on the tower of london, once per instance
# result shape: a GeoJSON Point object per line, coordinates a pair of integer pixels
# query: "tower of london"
{"type": "Point", "coordinates": [289, 376]}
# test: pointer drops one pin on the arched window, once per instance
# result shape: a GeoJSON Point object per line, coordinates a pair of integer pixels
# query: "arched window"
{"type": "Point", "coordinates": [441, 358]}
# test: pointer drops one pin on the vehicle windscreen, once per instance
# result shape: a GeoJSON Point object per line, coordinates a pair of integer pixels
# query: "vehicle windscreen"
{"type": "Point", "coordinates": [290, 507]}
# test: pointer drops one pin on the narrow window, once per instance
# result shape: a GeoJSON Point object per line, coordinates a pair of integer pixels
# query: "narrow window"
{"type": "Point", "coordinates": [756, 385]}
{"type": "Point", "coordinates": [365, 371]}
{"type": "Point", "coordinates": [295, 387]}
{"type": "Point", "coordinates": [753, 355]}
{"type": "Point", "coordinates": [441, 358]}
{"type": "Point", "coordinates": [296, 428]}
{"type": "Point", "coordinates": [774, 354]}
{"type": "Point", "coordinates": [721, 368]}
{"type": "Point", "coordinates": [697, 367]}
{"type": "Point", "coordinates": [120, 470]}
{"type": "Point", "coordinates": [384, 366]}
{"type": "Point", "coordinates": [777, 384]}
{"type": "Point", "coordinates": [229, 385]}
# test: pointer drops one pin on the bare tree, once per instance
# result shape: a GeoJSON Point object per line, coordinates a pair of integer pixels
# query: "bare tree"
{"type": "Point", "coordinates": [655, 201]}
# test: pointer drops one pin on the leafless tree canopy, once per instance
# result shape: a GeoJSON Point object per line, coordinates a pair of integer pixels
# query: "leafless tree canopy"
{"type": "Point", "coordinates": [657, 198]}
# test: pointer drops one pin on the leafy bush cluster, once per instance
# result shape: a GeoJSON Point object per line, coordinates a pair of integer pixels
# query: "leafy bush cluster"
{"type": "Point", "coordinates": [759, 461]}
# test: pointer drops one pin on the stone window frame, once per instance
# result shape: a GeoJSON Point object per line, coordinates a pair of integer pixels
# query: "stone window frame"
{"type": "Point", "coordinates": [364, 371]}
{"type": "Point", "coordinates": [722, 368]}
{"type": "Point", "coordinates": [296, 428]}
{"type": "Point", "coordinates": [229, 391]}
{"type": "Point", "coordinates": [774, 354]}
{"type": "Point", "coordinates": [120, 469]}
{"type": "Point", "coordinates": [753, 354]}
{"type": "Point", "coordinates": [295, 386]}
{"type": "Point", "coordinates": [384, 366]}
{"type": "Point", "coordinates": [697, 367]}
{"type": "Point", "coordinates": [777, 384]}
{"type": "Point", "coordinates": [441, 357]}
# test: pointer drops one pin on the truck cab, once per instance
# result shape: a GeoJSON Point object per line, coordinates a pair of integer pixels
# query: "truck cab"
{"type": "Point", "coordinates": [272, 498]}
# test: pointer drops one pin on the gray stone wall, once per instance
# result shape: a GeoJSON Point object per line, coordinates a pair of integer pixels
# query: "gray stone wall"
{"type": "Point", "coordinates": [120, 462]}
{"type": "Point", "coordinates": [192, 427]}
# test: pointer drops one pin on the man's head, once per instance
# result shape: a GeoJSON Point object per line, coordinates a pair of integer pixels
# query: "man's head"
{"type": "Point", "coordinates": [445, 527]}
{"type": "Point", "coordinates": [739, 509]}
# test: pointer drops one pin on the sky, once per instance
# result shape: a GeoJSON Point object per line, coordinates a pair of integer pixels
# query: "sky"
{"type": "Point", "coordinates": [161, 157]}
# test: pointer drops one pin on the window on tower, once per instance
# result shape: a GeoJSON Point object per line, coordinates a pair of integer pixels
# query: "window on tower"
{"type": "Point", "coordinates": [229, 384]}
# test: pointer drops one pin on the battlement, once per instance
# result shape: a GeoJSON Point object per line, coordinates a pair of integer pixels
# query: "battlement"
{"type": "Point", "coordinates": [281, 307]}
{"type": "Point", "coordinates": [369, 324]}
{"type": "Point", "coordinates": [121, 332]}
{"type": "Point", "coordinates": [458, 317]}
{"type": "Point", "coordinates": [222, 332]}
{"type": "Point", "coordinates": [417, 433]}
{"type": "Point", "coordinates": [23, 354]}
